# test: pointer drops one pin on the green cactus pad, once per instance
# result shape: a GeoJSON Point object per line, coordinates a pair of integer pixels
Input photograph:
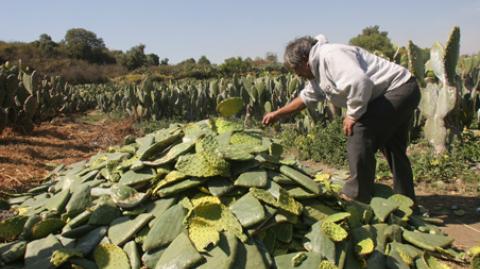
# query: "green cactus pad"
{"type": "Point", "coordinates": [181, 186]}
{"type": "Point", "coordinates": [238, 152]}
{"type": "Point", "coordinates": [256, 178]}
{"type": "Point", "coordinates": [250, 256]}
{"type": "Point", "coordinates": [131, 250]}
{"type": "Point", "coordinates": [248, 210]}
{"type": "Point", "coordinates": [219, 186]}
{"type": "Point", "coordinates": [416, 62]}
{"type": "Point", "coordinates": [13, 251]}
{"type": "Point", "coordinates": [320, 242]}
{"type": "Point", "coordinates": [230, 106]}
{"type": "Point", "coordinates": [58, 201]}
{"type": "Point", "coordinates": [452, 53]}
{"type": "Point", "coordinates": [165, 228]}
{"type": "Point", "coordinates": [382, 207]}
{"type": "Point", "coordinates": [405, 205]}
{"type": "Point", "coordinates": [79, 201]}
{"type": "Point", "coordinates": [104, 214]}
{"type": "Point", "coordinates": [12, 227]}
{"type": "Point", "coordinates": [46, 227]}
{"type": "Point", "coordinates": [171, 177]}
{"type": "Point", "coordinates": [223, 255]}
{"type": "Point", "coordinates": [163, 139]}
{"type": "Point", "coordinates": [427, 241]}
{"type": "Point", "coordinates": [337, 217]}
{"type": "Point", "coordinates": [123, 229]}
{"type": "Point", "coordinates": [109, 256]}
{"type": "Point", "coordinates": [131, 178]}
{"type": "Point", "coordinates": [179, 254]}
{"type": "Point", "coordinates": [38, 252]}
{"type": "Point", "coordinates": [172, 154]}
{"type": "Point", "coordinates": [302, 179]}
{"type": "Point", "coordinates": [126, 197]}
{"type": "Point", "coordinates": [88, 242]}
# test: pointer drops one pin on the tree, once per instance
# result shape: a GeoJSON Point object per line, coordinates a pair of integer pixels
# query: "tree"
{"type": "Point", "coordinates": [236, 65]}
{"type": "Point", "coordinates": [373, 40]}
{"type": "Point", "coordinates": [152, 59]}
{"type": "Point", "coordinates": [271, 57]}
{"type": "Point", "coordinates": [134, 57]}
{"type": "Point", "coordinates": [188, 61]}
{"type": "Point", "coordinates": [164, 61]}
{"type": "Point", "coordinates": [203, 60]}
{"type": "Point", "coordinates": [85, 45]}
{"type": "Point", "coordinates": [46, 45]}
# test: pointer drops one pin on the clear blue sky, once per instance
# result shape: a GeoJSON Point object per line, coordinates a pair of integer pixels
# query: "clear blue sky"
{"type": "Point", "coordinates": [221, 29]}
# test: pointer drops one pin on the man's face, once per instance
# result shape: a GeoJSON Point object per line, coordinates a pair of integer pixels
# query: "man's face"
{"type": "Point", "coordinates": [304, 71]}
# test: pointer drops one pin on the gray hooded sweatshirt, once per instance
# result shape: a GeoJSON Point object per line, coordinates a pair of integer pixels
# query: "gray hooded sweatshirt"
{"type": "Point", "coordinates": [349, 76]}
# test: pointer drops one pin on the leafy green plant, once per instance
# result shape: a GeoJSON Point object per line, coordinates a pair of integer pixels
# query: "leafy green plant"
{"type": "Point", "coordinates": [326, 144]}
{"type": "Point", "coordinates": [456, 164]}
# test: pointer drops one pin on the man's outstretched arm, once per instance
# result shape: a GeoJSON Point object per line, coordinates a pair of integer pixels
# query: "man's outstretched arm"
{"type": "Point", "coordinates": [295, 105]}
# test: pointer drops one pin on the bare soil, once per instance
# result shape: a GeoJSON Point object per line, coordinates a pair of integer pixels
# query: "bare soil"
{"type": "Point", "coordinates": [26, 158]}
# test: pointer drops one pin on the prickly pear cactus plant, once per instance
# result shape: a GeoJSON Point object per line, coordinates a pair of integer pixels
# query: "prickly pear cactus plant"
{"type": "Point", "coordinates": [439, 103]}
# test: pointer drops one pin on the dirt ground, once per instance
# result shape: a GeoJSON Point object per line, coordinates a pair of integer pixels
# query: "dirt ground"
{"type": "Point", "coordinates": [26, 159]}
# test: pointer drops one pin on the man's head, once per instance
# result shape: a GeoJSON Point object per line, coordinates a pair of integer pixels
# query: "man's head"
{"type": "Point", "coordinates": [296, 56]}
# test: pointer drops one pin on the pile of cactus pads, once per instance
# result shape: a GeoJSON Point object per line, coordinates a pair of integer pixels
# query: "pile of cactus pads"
{"type": "Point", "coordinates": [209, 194]}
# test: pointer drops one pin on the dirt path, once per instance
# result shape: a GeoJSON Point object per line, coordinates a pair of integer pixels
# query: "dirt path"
{"type": "Point", "coordinates": [26, 159]}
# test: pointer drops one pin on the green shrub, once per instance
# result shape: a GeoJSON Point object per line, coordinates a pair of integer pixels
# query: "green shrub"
{"type": "Point", "coordinates": [322, 144]}
{"type": "Point", "coordinates": [458, 163]}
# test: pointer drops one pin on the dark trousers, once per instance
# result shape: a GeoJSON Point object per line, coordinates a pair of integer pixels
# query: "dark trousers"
{"type": "Point", "coordinates": [384, 126]}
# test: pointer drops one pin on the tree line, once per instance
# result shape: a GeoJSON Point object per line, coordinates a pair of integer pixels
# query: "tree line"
{"type": "Point", "coordinates": [83, 57]}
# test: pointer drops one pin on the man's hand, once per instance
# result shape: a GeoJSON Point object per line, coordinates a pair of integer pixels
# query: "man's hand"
{"type": "Point", "coordinates": [348, 123]}
{"type": "Point", "coordinates": [270, 118]}
{"type": "Point", "coordinates": [294, 106]}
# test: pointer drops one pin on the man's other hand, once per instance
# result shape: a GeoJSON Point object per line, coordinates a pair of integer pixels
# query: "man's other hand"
{"type": "Point", "coordinates": [348, 123]}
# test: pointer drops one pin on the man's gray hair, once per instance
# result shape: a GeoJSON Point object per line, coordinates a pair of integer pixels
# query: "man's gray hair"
{"type": "Point", "coordinates": [297, 51]}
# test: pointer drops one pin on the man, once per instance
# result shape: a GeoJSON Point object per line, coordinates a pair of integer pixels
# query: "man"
{"type": "Point", "coordinates": [379, 96]}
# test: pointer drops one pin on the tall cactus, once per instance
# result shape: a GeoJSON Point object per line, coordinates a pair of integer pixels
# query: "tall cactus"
{"type": "Point", "coordinates": [440, 100]}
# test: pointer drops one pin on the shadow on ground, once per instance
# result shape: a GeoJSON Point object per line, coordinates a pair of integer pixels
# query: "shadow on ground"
{"type": "Point", "coordinates": [452, 208]}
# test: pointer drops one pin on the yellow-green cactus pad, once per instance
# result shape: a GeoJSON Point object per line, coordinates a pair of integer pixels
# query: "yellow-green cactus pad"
{"type": "Point", "coordinates": [223, 126]}
{"type": "Point", "coordinates": [203, 165]}
{"type": "Point", "coordinates": [60, 256]}
{"type": "Point", "coordinates": [284, 201]}
{"type": "Point", "coordinates": [334, 231]}
{"type": "Point", "coordinates": [109, 256]}
{"type": "Point", "coordinates": [209, 216]}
